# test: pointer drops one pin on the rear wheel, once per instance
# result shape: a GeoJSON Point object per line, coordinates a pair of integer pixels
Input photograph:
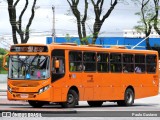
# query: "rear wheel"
{"type": "Point", "coordinates": [128, 98]}
{"type": "Point", "coordinates": [95, 103]}
{"type": "Point", "coordinates": [37, 104]}
{"type": "Point", "coordinates": [72, 99]}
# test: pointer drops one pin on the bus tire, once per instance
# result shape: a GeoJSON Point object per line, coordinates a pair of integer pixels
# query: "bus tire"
{"type": "Point", "coordinates": [95, 103]}
{"type": "Point", "coordinates": [128, 98]}
{"type": "Point", "coordinates": [36, 104]}
{"type": "Point", "coordinates": [72, 99]}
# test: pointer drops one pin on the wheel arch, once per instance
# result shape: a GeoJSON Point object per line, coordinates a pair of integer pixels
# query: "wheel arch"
{"type": "Point", "coordinates": [73, 93]}
{"type": "Point", "coordinates": [131, 87]}
{"type": "Point", "coordinates": [75, 89]}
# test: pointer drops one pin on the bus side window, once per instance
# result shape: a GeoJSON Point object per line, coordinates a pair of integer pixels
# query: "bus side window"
{"type": "Point", "coordinates": [75, 61]}
{"type": "Point", "coordinates": [102, 62]}
{"type": "Point", "coordinates": [115, 62]}
{"type": "Point", "coordinates": [140, 63]}
{"type": "Point", "coordinates": [128, 63]}
{"type": "Point", "coordinates": [151, 63]}
{"type": "Point", "coordinates": [89, 60]}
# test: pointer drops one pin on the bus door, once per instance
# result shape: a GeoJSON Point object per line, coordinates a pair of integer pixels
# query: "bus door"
{"type": "Point", "coordinates": [58, 72]}
{"type": "Point", "coordinates": [89, 64]}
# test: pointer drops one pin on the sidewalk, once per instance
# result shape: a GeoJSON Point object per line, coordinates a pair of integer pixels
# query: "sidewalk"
{"type": "Point", "coordinates": [3, 82]}
{"type": "Point", "coordinates": [3, 78]}
{"type": "Point", "coordinates": [4, 100]}
{"type": "Point", "coordinates": [3, 87]}
{"type": "Point", "coordinates": [3, 97]}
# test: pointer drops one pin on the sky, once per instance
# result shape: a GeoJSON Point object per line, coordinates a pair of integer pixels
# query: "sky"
{"type": "Point", "coordinates": [121, 18]}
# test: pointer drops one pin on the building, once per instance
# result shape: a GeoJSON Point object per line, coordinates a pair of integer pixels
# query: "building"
{"type": "Point", "coordinates": [129, 42]}
{"type": "Point", "coordinates": [135, 34]}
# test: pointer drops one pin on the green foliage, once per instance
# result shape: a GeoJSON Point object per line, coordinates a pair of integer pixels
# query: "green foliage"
{"type": "Point", "coordinates": [2, 71]}
{"type": "Point", "coordinates": [139, 28]}
{"type": "Point", "coordinates": [146, 14]}
{"type": "Point", "coordinates": [87, 38]}
{"type": "Point", "coordinates": [68, 38]}
{"type": "Point", "coordinates": [3, 51]}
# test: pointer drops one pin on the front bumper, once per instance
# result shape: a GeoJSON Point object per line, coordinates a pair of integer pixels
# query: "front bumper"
{"type": "Point", "coordinates": [25, 96]}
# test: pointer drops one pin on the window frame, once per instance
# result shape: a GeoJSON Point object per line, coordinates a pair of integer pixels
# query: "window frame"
{"type": "Point", "coordinates": [155, 64]}
{"type": "Point", "coordinates": [103, 62]}
{"type": "Point", "coordinates": [88, 62]}
{"type": "Point", "coordinates": [114, 64]}
{"type": "Point", "coordinates": [75, 61]}
{"type": "Point", "coordinates": [130, 63]}
{"type": "Point", "coordinates": [141, 65]}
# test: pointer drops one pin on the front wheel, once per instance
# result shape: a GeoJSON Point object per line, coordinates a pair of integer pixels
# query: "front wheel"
{"type": "Point", "coordinates": [128, 98]}
{"type": "Point", "coordinates": [36, 104]}
{"type": "Point", "coordinates": [72, 99]}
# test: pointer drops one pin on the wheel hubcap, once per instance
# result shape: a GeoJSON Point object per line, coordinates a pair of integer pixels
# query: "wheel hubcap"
{"type": "Point", "coordinates": [129, 97]}
{"type": "Point", "coordinates": [70, 98]}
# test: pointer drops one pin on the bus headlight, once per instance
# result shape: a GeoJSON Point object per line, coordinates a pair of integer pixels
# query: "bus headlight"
{"type": "Point", "coordinates": [9, 89]}
{"type": "Point", "coordinates": [43, 89]}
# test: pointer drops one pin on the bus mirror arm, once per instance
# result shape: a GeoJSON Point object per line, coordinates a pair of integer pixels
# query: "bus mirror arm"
{"type": "Point", "coordinates": [5, 62]}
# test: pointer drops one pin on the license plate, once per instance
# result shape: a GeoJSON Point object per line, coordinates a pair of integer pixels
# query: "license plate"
{"type": "Point", "coordinates": [24, 95]}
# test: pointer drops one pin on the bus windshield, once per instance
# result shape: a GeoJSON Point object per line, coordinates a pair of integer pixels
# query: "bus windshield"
{"type": "Point", "coordinates": [28, 67]}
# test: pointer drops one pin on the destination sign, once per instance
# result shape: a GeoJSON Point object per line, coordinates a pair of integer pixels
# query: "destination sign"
{"type": "Point", "coordinates": [29, 49]}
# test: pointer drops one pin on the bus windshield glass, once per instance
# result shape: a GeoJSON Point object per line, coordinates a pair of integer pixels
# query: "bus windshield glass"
{"type": "Point", "coordinates": [28, 67]}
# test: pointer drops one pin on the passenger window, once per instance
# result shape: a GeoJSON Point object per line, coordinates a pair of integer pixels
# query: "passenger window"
{"type": "Point", "coordinates": [115, 62]}
{"type": "Point", "coordinates": [89, 60]}
{"type": "Point", "coordinates": [139, 63]}
{"type": "Point", "coordinates": [151, 63]}
{"type": "Point", "coordinates": [102, 62]}
{"type": "Point", "coordinates": [128, 63]}
{"type": "Point", "coordinates": [75, 61]}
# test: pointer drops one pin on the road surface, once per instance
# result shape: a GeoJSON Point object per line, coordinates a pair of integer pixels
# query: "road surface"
{"type": "Point", "coordinates": [148, 108]}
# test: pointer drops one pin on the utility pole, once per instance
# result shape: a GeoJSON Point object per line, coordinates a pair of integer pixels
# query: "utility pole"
{"type": "Point", "coordinates": [53, 29]}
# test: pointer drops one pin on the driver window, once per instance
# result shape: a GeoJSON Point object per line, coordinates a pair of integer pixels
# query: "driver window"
{"type": "Point", "coordinates": [61, 65]}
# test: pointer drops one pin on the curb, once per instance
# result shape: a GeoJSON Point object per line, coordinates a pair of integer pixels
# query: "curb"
{"type": "Point", "coordinates": [1, 90]}
{"type": "Point", "coordinates": [14, 104]}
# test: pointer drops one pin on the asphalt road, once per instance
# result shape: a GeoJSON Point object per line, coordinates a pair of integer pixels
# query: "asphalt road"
{"type": "Point", "coordinates": [148, 108]}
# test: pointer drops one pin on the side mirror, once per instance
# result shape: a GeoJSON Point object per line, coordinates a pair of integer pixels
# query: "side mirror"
{"type": "Point", "coordinates": [56, 64]}
{"type": "Point", "coordinates": [5, 63]}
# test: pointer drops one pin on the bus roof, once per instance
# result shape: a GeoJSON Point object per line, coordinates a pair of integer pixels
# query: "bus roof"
{"type": "Point", "coordinates": [99, 48]}
{"type": "Point", "coordinates": [74, 46]}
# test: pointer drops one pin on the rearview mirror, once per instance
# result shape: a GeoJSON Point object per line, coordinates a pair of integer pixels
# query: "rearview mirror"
{"type": "Point", "coordinates": [56, 64]}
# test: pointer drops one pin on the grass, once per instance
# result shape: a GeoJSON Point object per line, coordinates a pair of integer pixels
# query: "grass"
{"type": "Point", "coordinates": [3, 72]}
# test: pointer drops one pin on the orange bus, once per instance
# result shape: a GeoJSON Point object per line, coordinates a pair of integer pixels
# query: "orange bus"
{"type": "Point", "coordinates": [69, 73]}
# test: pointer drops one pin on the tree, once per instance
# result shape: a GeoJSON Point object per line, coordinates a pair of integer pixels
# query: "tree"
{"type": "Point", "coordinates": [156, 21]}
{"type": "Point", "coordinates": [147, 17]}
{"type": "Point", "coordinates": [98, 12]}
{"type": "Point", "coordinates": [80, 20]}
{"type": "Point", "coordinates": [99, 20]}
{"type": "Point", "coordinates": [17, 24]}
{"type": "Point", "coordinates": [3, 51]}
